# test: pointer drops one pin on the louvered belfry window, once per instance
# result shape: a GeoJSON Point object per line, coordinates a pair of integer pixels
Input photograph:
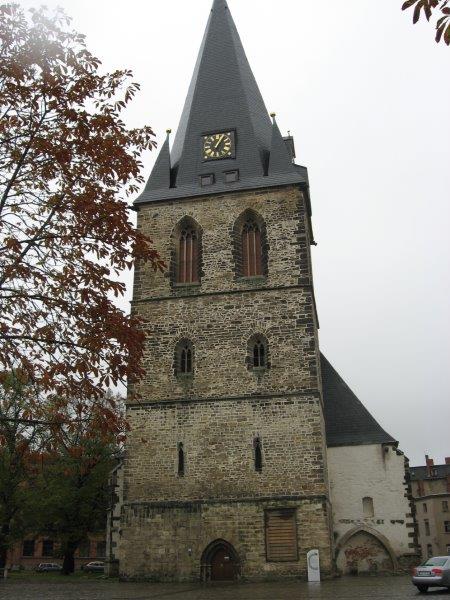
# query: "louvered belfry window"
{"type": "Point", "coordinates": [251, 250]}
{"type": "Point", "coordinates": [188, 257]}
{"type": "Point", "coordinates": [281, 535]}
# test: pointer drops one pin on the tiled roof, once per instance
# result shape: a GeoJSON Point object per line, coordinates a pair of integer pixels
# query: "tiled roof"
{"type": "Point", "coordinates": [223, 96]}
{"type": "Point", "coordinates": [433, 472]}
{"type": "Point", "coordinates": [347, 421]}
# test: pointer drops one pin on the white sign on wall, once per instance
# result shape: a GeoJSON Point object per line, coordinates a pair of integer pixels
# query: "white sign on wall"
{"type": "Point", "coordinates": [313, 565]}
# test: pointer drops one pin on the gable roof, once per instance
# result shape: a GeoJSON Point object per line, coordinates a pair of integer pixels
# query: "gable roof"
{"type": "Point", "coordinates": [347, 420]}
{"type": "Point", "coordinates": [424, 472]}
{"type": "Point", "coordinates": [223, 96]}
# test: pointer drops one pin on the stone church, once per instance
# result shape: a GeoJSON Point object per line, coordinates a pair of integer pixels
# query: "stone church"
{"type": "Point", "coordinates": [246, 448]}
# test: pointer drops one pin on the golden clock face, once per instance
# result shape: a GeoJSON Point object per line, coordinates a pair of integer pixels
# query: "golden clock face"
{"type": "Point", "coordinates": [218, 145]}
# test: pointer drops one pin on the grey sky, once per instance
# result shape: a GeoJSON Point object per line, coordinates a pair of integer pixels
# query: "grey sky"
{"type": "Point", "coordinates": [366, 95]}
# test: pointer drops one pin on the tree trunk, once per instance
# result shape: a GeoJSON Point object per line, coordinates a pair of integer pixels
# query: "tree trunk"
{"type": "Point", "coordinates": [69, 560]}
{"type": "Point", "coordinates": [4, 544]}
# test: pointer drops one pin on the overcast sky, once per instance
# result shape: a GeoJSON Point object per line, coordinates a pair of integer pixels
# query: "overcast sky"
{"type": "Point", "coordinates": [366, 95]}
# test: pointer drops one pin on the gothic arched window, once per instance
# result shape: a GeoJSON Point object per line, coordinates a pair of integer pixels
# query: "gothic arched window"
{"type": "Point", "coordinates": [188, 270]}
{"type": "Point", "coordinates": [251, 249]}
{"type": "Point", "coordinates": [257, 353]}
{"type": "Point", "coordinates": [184, 358]}
{"type": "Point", "coordinates": [250, 246]}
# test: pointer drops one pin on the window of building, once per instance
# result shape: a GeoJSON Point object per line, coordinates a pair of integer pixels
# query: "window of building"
{"type": "Point", "coordinates": [427, 527]}
{"type": "Point", "coordinates": [259, 354]}
{"type": "Point", "coordinates": [429, 550]}
{"type": "Point", "coordinates": [28, 548]}
{"type": "Point", "coordinates": [101, 549]}
{"type": "Point", "coordinates": [84, 549]}
{"type": "Point", "coordinates": [448, 549]}
{"type": "Point", "coordinates": [184, 358]}
{"type": "Point", "coordinates": [281, 535]}
{"type": "Point", "coordinates": [433, 472]}
{"type": "Point", "coordinates": [47, 548]}
{"type": "Point", "coordinates": [188, 271]}
{"type": "Point", "coordinates": [444, 505]}
{"type": "Point", "coordinates": [447, 526]}
{"type": "Point", "coordinates": [231, 176]}
{"type": "Point", "coordinates": [258, 454]}
{"type": "Point", "coordinates": [425, 507]}
{"type": "Point", "coordinates": [251, 250]}
{"type": "Point", "coordinates": [207, 179]}
{"type": "Point", "coordinates": [368, 509]}
{"type": "Point", "coordinates": [180, 460]}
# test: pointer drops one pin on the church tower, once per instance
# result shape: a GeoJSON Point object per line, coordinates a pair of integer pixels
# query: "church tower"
{"type": "Point", "coordinates": [225, 468]}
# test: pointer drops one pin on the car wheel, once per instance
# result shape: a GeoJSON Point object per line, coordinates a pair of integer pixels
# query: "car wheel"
{"type": "Point", "coordinates": [422, 588]}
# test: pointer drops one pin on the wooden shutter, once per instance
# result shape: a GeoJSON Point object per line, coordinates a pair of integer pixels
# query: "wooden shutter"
{"type": "Point", "coordinates": [251, 250]}
{"type": "Point", "coordinates": [188, 257]}
{"type": "Point", "coordinates": [281, 535]}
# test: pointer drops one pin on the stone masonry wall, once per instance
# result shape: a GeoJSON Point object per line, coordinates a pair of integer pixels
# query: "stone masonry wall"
{"type": "Point", "coordinates": [160, 540]}
{"type": "Point", "coordinates": [218, 442]}
{"type": "Point", "coordinates": [217, 413]}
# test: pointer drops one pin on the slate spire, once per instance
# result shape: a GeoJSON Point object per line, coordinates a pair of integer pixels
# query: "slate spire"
{"type": "Point", "coordinates": [223, 97]}
{"type": "Point", "coordinates": [160, 175]}
{"type": "Point", "coordinates": [223, 94]}
{"type": "Point", "coordinates": [280, 160]}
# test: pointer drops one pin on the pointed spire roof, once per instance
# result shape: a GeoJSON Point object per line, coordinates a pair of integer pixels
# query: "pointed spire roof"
{"type": "Point", "coordinates": [160, 176]}
{"type": "Point", "coordinates": [223, 96]}
{"type": "Point", "coordinates": [347, 420]}
{"type": "Point", "coordinates": [280, 160]}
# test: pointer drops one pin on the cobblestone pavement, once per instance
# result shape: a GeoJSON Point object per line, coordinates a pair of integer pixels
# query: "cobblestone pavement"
{"type": "Point", "coordinates": [382, 588]}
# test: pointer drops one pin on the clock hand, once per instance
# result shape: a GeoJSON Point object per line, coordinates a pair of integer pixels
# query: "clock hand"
{"type": "Point", "coordinates": [219, 141]}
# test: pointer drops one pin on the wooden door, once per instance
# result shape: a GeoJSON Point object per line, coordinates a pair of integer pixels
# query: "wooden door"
{"type": "Point", "coordinates": [222, 566]}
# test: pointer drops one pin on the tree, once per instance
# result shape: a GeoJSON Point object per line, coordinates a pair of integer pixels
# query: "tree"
{"type": "Point", "coordinates": [68, 164]}
{"type": "Point", "coordinates": [73, 485]}
{"type": "Point", "coordinates": [21, 443]}
{"type": "Point", "coordinates": [428, 7]}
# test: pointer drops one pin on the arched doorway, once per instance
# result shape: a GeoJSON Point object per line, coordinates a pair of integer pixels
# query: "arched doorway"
{"type": "Point", "coordinates": [364, 550]}
{"type": "Point", "coordinates": [220, 562]}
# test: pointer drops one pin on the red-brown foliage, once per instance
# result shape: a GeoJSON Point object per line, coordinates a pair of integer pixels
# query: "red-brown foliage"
{"type": "Point", "coordinates": [428, 7]}
{"type": "Point", "coordinates": [68, 164]}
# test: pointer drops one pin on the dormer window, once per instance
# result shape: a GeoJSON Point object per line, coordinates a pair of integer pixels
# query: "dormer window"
{"type": "Point", "coordinates": [206, 180]}
{"type": "Point", "coordinates": [231, 176]}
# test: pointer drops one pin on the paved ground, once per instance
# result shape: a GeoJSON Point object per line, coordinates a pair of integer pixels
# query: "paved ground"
{"type": "Point", "coordinates": [377, 588]}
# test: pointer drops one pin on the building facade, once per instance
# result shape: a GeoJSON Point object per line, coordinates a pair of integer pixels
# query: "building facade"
{"type": "Point", "coordinates": [32, 550]}
{"type": "Point", "coordinates": [225, 473]}
{"type": "Point", "coordinates": [374, 528]}
{"type": "Point", "coordinates": [431, 491]}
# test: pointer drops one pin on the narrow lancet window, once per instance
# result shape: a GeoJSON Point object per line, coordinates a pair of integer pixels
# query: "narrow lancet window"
{"type": "Point", "coordinates": [259, 355]}
{"type": "Point", "coordinates": [184, 358]}
{"type": "Point", "coordinates": [368, 509]}
{"type": "Point", "coordinates": [180, 460]}
{"type": "Point", "coordinates": [188, 271]}
{"type": "Point", "coordinates": [251, 250]}
{"type": "Point", "coordinates": [258, 455]}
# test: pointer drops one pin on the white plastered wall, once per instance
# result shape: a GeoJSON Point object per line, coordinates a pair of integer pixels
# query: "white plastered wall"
{"type": "Point", "coordinates": [374, 471]}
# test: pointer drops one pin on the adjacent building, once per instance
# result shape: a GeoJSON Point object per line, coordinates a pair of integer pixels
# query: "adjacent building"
{"type": "Point", "coordinates": [246, 448]}
{"type": "Point", "coordinates": [32, 550]}
{"type": "Point", "coordinates": [431, 491]}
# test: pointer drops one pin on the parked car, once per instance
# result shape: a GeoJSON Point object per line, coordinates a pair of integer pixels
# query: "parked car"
{"type": "Point", "coordinates": [46, 567]}
{"type": "Point", "coordinates": [94, 566]}
{"type": "Point", "coordinates": [434, 572]}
